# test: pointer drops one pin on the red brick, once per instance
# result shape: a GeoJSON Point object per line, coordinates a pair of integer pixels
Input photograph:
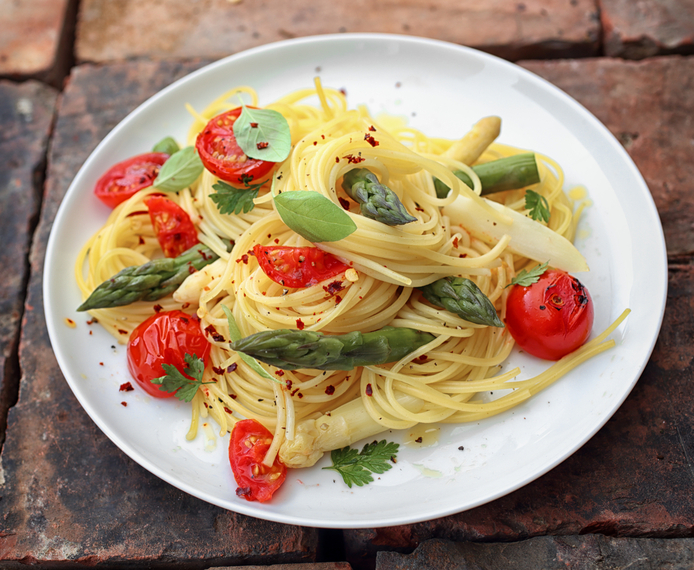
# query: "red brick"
{"type": "Point", "coordinates": [636, 30]}
{"type": "Point", "coordinates": [109, 31]}
{"type": "Point", "coordinates": [649, 107]}
{"type": "Point", "coordinates": [69, 496]}
{"type": "Point", "coordinates": [35, 38]}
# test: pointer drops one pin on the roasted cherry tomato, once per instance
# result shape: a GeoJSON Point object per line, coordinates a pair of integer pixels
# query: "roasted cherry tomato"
{"type": "Point", "coordinates": [550, 318]}
{"type": "Point", "coordinates": [164, 338]}
{"type": "Point", "coordinates": [249, 443]}
{"type": "Point", "coordinates": [175, 231]}
{"type": "Point", "coordinates": [297, 266]}
{"type": "Point", "coordinates": [122, 180]}
{"type": "Point", "coordinates": [222, 156]}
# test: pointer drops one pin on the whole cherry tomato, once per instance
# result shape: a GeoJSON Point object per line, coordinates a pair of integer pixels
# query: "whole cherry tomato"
{"type": "Point", "coordinates": [248, 445]}
{"type": "Point", "coordinates": [124, 179]}
{"type": "Point", "coordinates": [172, 224]}
{"type": "Point", "coordinates": [550, 318]}
{"type": "Point", "coordinates": [222, 156]}
{"type": "Point", "coordinates": [164, 338]}
{"type": "Point", "coordinates": [297, 266]}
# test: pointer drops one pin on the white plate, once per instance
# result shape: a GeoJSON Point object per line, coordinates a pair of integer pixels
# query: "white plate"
{"type": "Point", "coordinates": [442, 89]}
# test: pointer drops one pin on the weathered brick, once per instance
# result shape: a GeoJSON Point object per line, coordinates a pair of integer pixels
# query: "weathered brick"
{"type": "Point", "coordinates": [311, 566]}
{"type": "Point", "coordinates": [590, 552]}
{"type": "Point", "coordinates": [36, 38]}
{"type": "Point", "coordinates": [109, 31]}
{"type": "Point", "coordinates": [637, 30]}
{"type": "Point", "coordinates": [649, 107]}
{"type": "Point", "coordinates": [26, 113]}
{"type": "Point", "coordinates": [633, 478]}
{"type": "Point", "coordinates": [68, 494]}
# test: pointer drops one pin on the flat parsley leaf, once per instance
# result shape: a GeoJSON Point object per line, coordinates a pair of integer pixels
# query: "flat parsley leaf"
{"type": "Point", "coordinates": [174, 380]}
{"type": "Point", "coordinates": [527, 278]}
{"type": "Point", "coordinates": [356, 467]}
{"type": "Point", "coordinates": [538, 206]}
{"type": "Point", "coordinates": [232, 200]}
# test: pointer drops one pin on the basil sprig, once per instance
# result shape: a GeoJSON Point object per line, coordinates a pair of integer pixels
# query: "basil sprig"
{"type": "Point", "coordinates": [263, 134]}
{"type": "Point", "coordinates": [179, 171]}
{"type": "Point", "coordinates": [166, 145]}
{"type": "Point", "coordinates": [313, 216]}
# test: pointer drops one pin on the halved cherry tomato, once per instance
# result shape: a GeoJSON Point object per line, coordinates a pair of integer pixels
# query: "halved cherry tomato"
{"type": "Point", "coordinates": [222, 156]}
{"type": "Point", "coordinates": [164, 338]}
{"type": "Point", "coordinates": [248, 445]}
{"type": "Point", "coordinates": [124, 179]}
{"type": "Point", "coordinates": [550, 318]}
{"type": "Point", "coordinates": [175, 231]}
{"type": "Point", "coordinates": [297, 266]}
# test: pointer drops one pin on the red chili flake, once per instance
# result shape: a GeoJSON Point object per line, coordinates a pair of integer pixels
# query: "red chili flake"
{"type": "Point", "coordinates": [337, 159]}
{"type": "Point", "coordinates": [254, 125]}
{"type": "Point", "coordinates": [330, 390]}
{"type": "Point", "coordinates": [124, 404]}
{"type": "Point", "coordinates": [127, 387]}
{"type": "Point", "coordinates": [333, 287]}
{"type": "Point", "coordinates": [204, 255]}
{"type": "Point", "coordinates": [323, 137]}
{"type": "Point", "coordinates": [227, 410]}
{"type": "Point", "coordinates": [206, 404]}
{"type": "Point", "coordinates": [158, 308]}
{"type": "Point", "coordinates": [422, 358]}
{"type": "Point", "coordinates": [121, 331]}
{"type": "Point", "coordinates": [232, 396]}
{"type": "Point", "coordinates": [185, 305]}
{"type": "Point", "coordinates": [369, 139]}
{"type": "Point", "coordinates": [315, 143]}
{"type": "Point", "coordinates": [101, 363]}
{"type": "Point", "coordinates": [419, 209]}
{"type": "Point", "coordinates": [351, 159]}
{"type": "Point", "coordinates": [455, 242]}
{"type": "Point", "coordinates": [217, 370]}
{"type": "Point", "coordinates": [262, 145]}
{"type": "Point", "coordinates": [210, 330]}
{"type": "Point", "coordinates": [232, 367]}
{"type": "Point", "coordinates": [243, 491]}
{"type": "Point", "coordinates": [372, 129]}
{"type": "Point", "coordinates": [300, 324]}
{"type": "Point", "coordinates": [369, 390]}
{"type": "Point", "coordinates": [343, 91]}
{"type": "Point", "coordinates": [92, 321]}
{"type": "Point", "coordinates": [300, 395]}
{"type": "Point", "coordinates": [243, 258]}
{"type": "Point", "coordinates": [277, 240]}
{"type": "Point", "coordinates": [279, 373]}
{"type": "Point", "coordinates": [338, 299]}
{"type": "Point", "coordinates": [463, 255]}
{"type": "Point", "coordinates": [420, 439]}
{"type": "Point", "coordinates": [294, 392]}
{"type": "Point", "coordinates": [141, 240]}
{"type": "Point", "coordinates": [344, 203]}
{"type": "Point", "coordinates": [289, 384]}
{"type": "Point", "coordinates": [191, 268]}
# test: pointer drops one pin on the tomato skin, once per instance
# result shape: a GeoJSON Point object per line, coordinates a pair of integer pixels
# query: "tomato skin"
{"type": "Point", "coordinates": [248, 445]}
{"type": "Point", "coordinates": [222, 156]}
{"type": "Point", "coordinates": [164, 338]}
{"type": "Point", "coordinates": [550, 318]}
{"type": "Point", "coordinates": [297, 266]}
{"type": "Point", "coordinates": [125, 178]}
{"type": "Point", "coordinates": [172, 224]}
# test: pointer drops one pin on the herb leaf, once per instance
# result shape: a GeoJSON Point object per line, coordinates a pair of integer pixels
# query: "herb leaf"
{"type": "Point", "coordinates": [313, 216]}
{"type": "Point", "coordinates": [527, 278]}
{"type": "Point", "coordinates": [234, 335]}
{"type": "Point", "coordinates": [356, 467]}
{"type": "Point", "coordinates": [232, 200]}
{"type": "Point", "coordinates": [167, 145]}
{"type": "Point", "coordinates": [538, 206]}
{"type": "Point", "coordinates": [174, 380]}
{"type": "Point", "coordinates": [263, 134]}
{"type": "Point", "coordinates": [180, 171]}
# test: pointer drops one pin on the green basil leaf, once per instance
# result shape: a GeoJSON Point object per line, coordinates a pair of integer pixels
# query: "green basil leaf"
{"type": "Point", "coordinates": [263, 134]}
{"type": "Point", "coordinates": [180, 171]}
{"type": "Point", "coordinates": [235, 334]}
{"type": "Point", "coordinates": [166, 145]}
{"type": "Point", "coordinates": [313, 216]}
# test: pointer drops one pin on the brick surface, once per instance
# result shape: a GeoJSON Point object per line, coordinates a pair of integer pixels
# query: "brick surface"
{"type": "Point", "coordinates": [35, 38]}
{"type": "Point", "coordinates": [649, 107]}
{"type": "Point", "coordinates": [645, 28]}
{"type": "Point", "coordinates": [590, 552]}
{"type": "Point", "coordinates": [633, 478]}
{"type": "Point", "coordinates": [68, 494]}
{"type": "Point", "coordinates": [311, 566]}
{"type": "Point", "coordinates": [109, 31]}
{"type": "Point", "coordinates": [26, 112]}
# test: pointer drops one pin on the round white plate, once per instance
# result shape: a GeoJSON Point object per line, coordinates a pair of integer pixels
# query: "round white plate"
{"type": "Point", "coordinates": [441, 89]}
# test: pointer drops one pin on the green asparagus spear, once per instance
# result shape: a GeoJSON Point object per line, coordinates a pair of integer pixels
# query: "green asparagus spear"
{"type": "Point", "coordinates": [462, 297]}
{"type": "Point", "coordinates": [150, 281]}
{"type": "Point", "coordinates": [292, 349]}
{"type": "Point", "coordinates": [376, 201]}
{"type": "Point", "coordinates": [509, 173]}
